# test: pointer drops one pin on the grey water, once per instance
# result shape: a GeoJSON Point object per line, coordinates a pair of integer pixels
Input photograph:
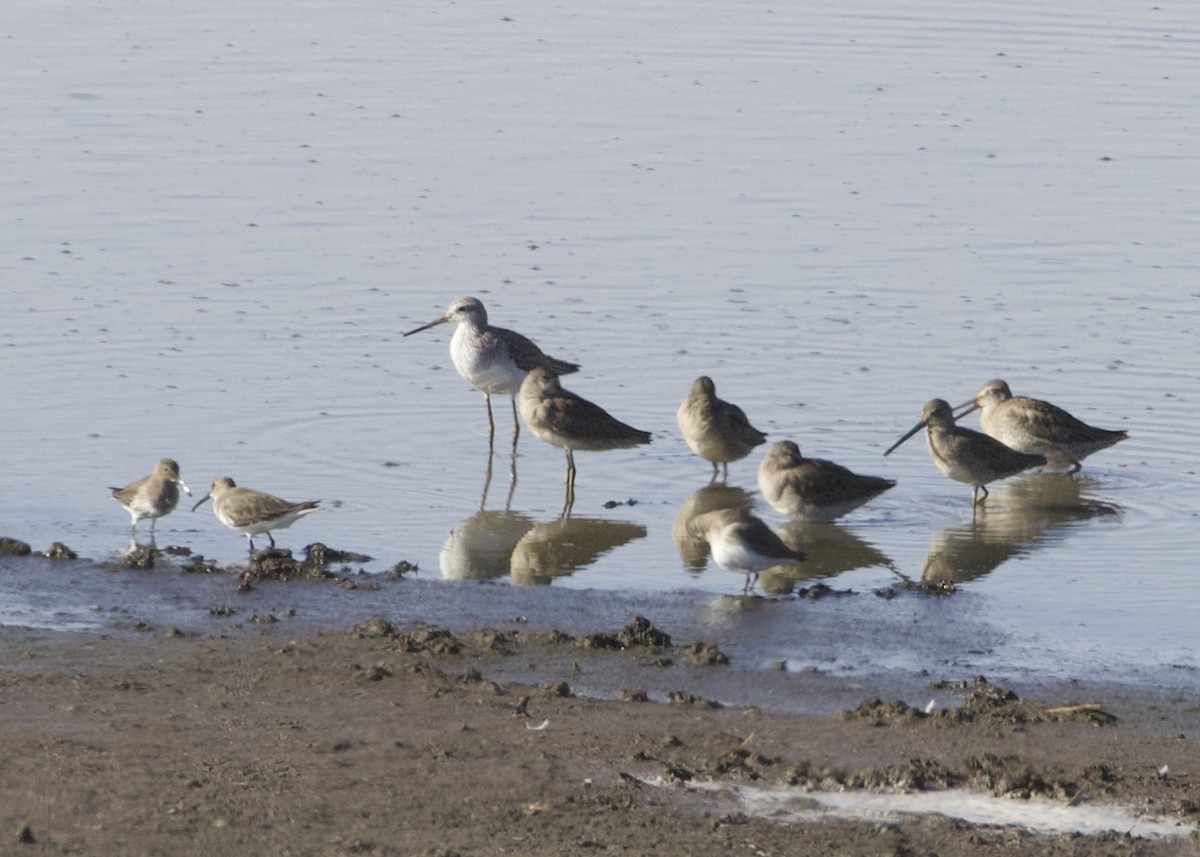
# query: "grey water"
{"type": "Point", "coordinates": [221, 218]}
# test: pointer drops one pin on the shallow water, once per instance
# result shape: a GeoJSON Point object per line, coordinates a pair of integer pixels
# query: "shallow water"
{"type": "Point", "coordinates": [222, 218]}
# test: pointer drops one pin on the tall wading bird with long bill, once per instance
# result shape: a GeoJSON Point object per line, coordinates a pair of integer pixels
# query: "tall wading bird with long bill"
{"type": "Point", "coordinates": [966, 455]}
{"type": "Point", "coordinates": [493, 359]}
{"type": "Point", "coordinates": [1036, 427]}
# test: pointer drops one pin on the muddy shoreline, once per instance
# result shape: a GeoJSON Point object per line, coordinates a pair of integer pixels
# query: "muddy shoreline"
{"type": "Point", "coordinates": [388, 739]}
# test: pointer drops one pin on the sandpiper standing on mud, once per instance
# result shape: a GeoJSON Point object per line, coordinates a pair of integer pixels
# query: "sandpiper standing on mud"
{"type": "Point", "coordinates": [253, 512]}
{"type": "Point", "coordinates": [152, 496]}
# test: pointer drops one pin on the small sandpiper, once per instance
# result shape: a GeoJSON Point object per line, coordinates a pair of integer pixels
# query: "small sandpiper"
{"type": "Point", "coordinates": [964, 455]}
{"type": "Point", "coordinates": [253, 512]}
{"type": "Point", "coordinates": [813, 489]}
{"type": "Point", "coordinates": [492, 359]}
{"type": "Point", "coordinates": [152, 496]}
{"type": "Point", "coordinates": [716, 430]}
{"type": "Point", "coordinates": [742, 542]}
{"type": "Point", "coordinates": [563, 419]}
{"type": "Point", "coordinates": [1036, 427]}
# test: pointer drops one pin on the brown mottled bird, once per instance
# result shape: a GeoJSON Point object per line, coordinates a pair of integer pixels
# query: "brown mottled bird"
{"type": "Point", "coordinates": [1036, 427]}
{"type": "Point", "coordinates": [811, 488]}
{"type": "Point", "coordinates": [965, 455]}
{"type": "Point", "coordinates": [152, 496]}
{"type": "Point", "coordinates": [563, 419]}
{"type": "Point", "coordinates": [253, 512]}
{"type": "Point", "coordinates": [716, 430]}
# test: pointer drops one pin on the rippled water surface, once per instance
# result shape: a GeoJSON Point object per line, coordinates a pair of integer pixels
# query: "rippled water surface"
{"type": "Point", "coordinates": [221, 217]}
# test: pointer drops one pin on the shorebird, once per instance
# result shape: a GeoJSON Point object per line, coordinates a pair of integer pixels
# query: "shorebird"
{"type": "Point", "coordinates": [964, 455]}
{"type": "Point", "coordinates": [1037, 427]}
{"type": "Point", "coordinates": [741, 542]}
{"type": "Point", "coordinates": [253, 512]}
{"type": "Point", "coordinates": [563, 419]}
{"type": "Point", "coordinates": [152, 496]}
{"type": "Point", "coordinates": [492, 359]}
{"type": "Point", "coordinates": [714, 429]}
{"type": "Point", "coordinates": [812, 488]}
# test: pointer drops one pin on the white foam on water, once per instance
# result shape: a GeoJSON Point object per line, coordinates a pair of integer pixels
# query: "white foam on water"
{"type": "Point", "coordinates": [1038, 815]}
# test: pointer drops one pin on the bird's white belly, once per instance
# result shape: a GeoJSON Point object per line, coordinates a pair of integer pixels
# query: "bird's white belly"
{"type": "Point", "coordinates": [485, 363]}
{"type": "Point", "coordinates": [733, 554]}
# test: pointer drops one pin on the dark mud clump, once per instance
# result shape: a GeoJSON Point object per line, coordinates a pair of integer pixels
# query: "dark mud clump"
{"type": "Point", "coordinates": [983, 702]}
{"type": "Point", "coordinates": [921, 587]}
{"type": "Point", "coordinates": [197, 564]}
{"type": "Point", "coordinates": [1008, 776]}
{"type": "Point", "coordinates": [14, 547]}
{"type": "Point", "coordinates": [705, 655]}
{"type": "Point", "coordinates": [682, 697]}
{"type": "Point", "coordinates": [138, 557]}
{"type": "Point", "coordinates": [989, 773]}
{"type": "Point", "coordinates": [279, 564]}
{"type": "Point", "coordinates": [436, 641]}
{"type": "Point", "coordinates": [880, 713]}
{"type": "Point", "coordinates": [373, 629]}
{"type": "Point", "coordinates": [819, 590]}
{"type": "Point", "coordinates": [400, 569]}
{"type": "Point", "coordinates": [59, 551]}
{"type": "Point", "coordinates": [639, 633]}
{"type": "Point", "coordinates": [323, 556]}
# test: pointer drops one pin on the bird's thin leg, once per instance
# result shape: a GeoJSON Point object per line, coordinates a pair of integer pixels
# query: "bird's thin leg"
{"type": "Point", "coordinates": [716, 473]}
{"type": "Point", "coordinates": [725, 471]}
{"type": "Point", "coordinates": [487, 397]}
{"type": "Point", "coordinates": [153, 521]}
{"type": "Point", "coordinates": [271, 539]}
{"type": "Point", "coordinates": [569, 501]}
{"type": "Point", "coordinates": [250, 539]}
{"type": "Point", "coordinates": [512, 465]}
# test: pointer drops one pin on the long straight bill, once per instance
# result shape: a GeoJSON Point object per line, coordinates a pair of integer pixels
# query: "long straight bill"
{"type": "Point", "coordinates": [907, 435]}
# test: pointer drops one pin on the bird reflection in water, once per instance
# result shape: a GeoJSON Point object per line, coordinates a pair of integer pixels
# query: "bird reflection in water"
{"type": "Point", "coordinates": [480, 547]}
{"type": "Point", "coordinates": [830, 548]}
{"type": "Point", "coordinates": [692, 548]}
{"type": "Point", "coordinates": [1039, 509]}
{"type": "Point", "coordinates": [566, 545]}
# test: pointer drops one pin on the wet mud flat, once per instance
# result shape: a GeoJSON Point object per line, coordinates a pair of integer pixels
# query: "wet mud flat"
{"type": "Point", "coordinates": [386, 740]}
